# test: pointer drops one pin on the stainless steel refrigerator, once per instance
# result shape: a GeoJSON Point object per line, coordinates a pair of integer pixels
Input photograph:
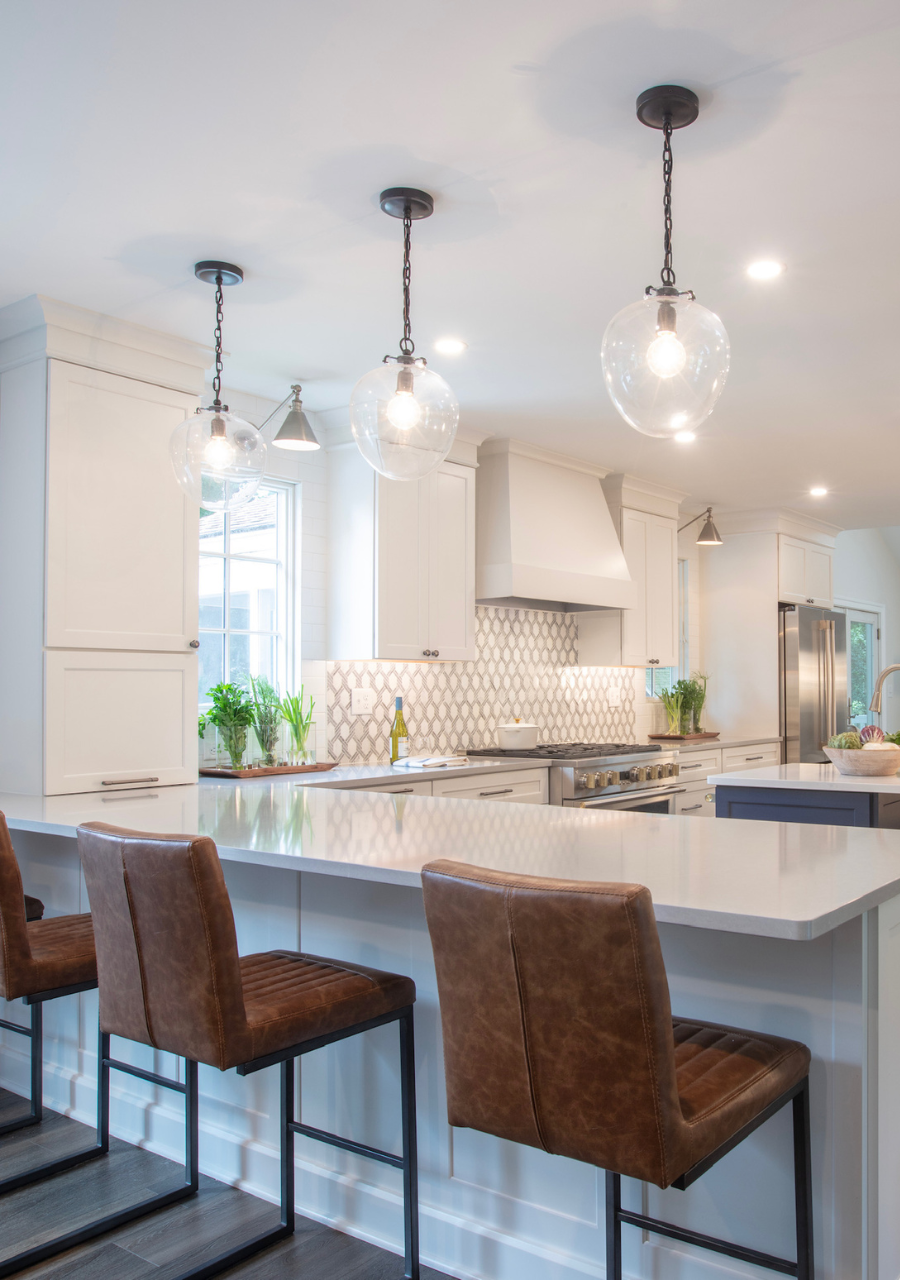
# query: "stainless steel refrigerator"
{"type": "Point", "coordinates": [813, 648]}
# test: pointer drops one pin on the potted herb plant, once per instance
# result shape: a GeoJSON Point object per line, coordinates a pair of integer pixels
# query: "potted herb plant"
{"type": "Point", "coordinates": [299, 722]}
{"type": "Point", "coordinates": [232, 714]}
{"type": "Point", "coordinates": [266, 717]}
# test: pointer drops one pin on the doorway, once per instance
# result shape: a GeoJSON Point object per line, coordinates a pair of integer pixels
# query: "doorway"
{"type": "Point", "coordinates": [863, 663]}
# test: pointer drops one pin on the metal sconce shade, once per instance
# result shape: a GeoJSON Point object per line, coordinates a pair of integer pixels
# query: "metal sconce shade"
{"type": "Point", "coordinates": [709, 535]}
{"type": "Point", "coordinates": [295, 432]}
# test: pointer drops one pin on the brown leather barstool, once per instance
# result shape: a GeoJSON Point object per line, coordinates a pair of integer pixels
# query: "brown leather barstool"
{"type": "Point", "coordinates": [558, 1034]}
{"type": "Point", "coordinates": [40, 960]}
{"type": "Point", "coordinates": [171, 977]}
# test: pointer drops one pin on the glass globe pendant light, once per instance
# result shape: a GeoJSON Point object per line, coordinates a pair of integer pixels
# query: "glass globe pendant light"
{"type": "Point", "coordinates": [217, 457]}
{"type": "Point", "coordinates": [402, 414]}
{"type": "Point", "coordinates": [665, 358]}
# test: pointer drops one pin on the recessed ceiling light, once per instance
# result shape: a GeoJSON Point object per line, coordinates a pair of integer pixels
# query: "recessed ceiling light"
{"type": "Point", "coordinates": [685, 437]}
{"type": "Point", "coordinates": [450, 346]}
{"type": "Point", "coordinates": [818, 492]}
{"type": "Point", "coordinates": [766, 269]}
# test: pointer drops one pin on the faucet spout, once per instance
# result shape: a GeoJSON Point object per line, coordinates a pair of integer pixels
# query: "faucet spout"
{"type": "Point", "coordinates": [875, 704]}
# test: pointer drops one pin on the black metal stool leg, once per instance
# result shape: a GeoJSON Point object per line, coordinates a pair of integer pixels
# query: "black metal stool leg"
{"type": "Point", "coordinates": [287, 1143]}
{"type": "Point", "coordinates": [35, 1034]}
{"type": "Point", "coordinates": [803, 1184]}
{"type": "Point", "coordinates": [410, 1150]}
{"type": "Point", "coordinates": [613, 1226]}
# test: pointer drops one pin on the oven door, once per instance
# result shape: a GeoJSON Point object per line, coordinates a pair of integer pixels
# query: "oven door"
{"type": "Point", "coordinates": [659, 801]}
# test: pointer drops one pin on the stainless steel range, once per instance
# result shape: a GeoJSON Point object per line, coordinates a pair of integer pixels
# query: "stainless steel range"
{"type": "Point", "coordinates": [604, 775]}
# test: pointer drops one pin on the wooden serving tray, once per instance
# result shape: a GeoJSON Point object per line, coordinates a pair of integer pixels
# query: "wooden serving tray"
{"type": "Point", "coordinates": [682, 737]}
{"type": "Point", "coordinates": [266, 773]}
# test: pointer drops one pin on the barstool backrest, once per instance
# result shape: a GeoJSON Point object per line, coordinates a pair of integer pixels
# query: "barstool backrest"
{"type": "Point", "coordinates": [555, 1011]}
{"type": "Point", "coordinates": [14, 947]}
{"type": "Point", "coordinates": [167, 956]}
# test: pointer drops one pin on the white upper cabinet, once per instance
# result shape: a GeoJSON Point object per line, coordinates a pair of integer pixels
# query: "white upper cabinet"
{"type": "Point", "coordinates": [121, 536]}
{"type": "Point", "coordinates": [401, 563]}
{"type": "Point", "coordinates": [648, 634]}
{"type": "Point", "coordinates": [804, 572]}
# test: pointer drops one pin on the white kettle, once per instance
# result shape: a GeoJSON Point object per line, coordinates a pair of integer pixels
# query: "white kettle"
{"type": "Point", "coordinates": [517, 736]}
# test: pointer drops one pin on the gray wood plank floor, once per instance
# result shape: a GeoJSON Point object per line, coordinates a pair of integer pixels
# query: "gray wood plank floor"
{"type": "Point", "coordinates": [164, 1244]}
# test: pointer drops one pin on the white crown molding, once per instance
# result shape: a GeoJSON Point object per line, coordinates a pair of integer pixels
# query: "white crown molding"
{"type": "Point", "coordinates": [624, 490]}
{"type": "Point", "coordinates": [797, 524]}
{"type": "Point", "coordinates": [37, 328]}
{"type": "Point", "coordinates": [495, 445]}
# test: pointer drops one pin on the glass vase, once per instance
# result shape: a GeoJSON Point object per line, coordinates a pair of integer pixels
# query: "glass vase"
{"type": "Point", "coordinates": [300, 749]}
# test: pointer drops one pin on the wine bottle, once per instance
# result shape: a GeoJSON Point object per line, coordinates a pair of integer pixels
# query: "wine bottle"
{"type": "Point", "coordinates": [399, 735]}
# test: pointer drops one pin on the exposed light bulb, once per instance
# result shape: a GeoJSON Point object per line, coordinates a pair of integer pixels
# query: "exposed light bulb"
{"type": "Point", "coordinates": [818, 492]}
{"type": "Point", "coordinates": [219, 452]}
{"type": "Point", "coordinates": [665, 355]}
{"type": "Point", "coordinates": [685, 437]}
{"type": "Point", "coordinates": [404, 411]}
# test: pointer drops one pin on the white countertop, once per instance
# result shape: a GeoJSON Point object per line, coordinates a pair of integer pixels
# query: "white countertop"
{"type": "Point", "coordinates": [713, 744]}
{"type": "Point", "coordinates": [806, 777]}
{"type": "Point", "coordinates": [366, 775]}
{"type": "Point", "coordinates": [782, 880]}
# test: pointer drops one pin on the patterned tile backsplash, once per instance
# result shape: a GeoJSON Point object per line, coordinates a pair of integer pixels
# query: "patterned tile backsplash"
{"type": "Point", "coordinates": [525, 667]}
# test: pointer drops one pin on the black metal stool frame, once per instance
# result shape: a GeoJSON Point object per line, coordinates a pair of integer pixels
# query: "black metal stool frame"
{"type": "Point", "coordinates": [803, 1268]}
{"type": "Point", "coordinates": [35, 1033]}
{"type": "Point", "coordinates": [288, 1127]}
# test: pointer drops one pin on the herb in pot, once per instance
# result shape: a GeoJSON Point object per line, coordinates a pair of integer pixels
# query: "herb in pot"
{"type": "Point", "coordinates": [266, 717]}
{"type": "Point", "coordinates": [232, 714]}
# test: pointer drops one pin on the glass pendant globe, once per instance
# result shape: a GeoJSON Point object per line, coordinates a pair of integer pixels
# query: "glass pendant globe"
{"type": "Point", "coordinates": [404, 419]}
{"type": "Point", "coordinates": [218, 459]}
{"type": "Point", "coordinates": [665, 380]}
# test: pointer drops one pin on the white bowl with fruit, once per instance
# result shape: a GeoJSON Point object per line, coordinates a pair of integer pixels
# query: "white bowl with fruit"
{"type": "Point", "coordinates": [864, 753]}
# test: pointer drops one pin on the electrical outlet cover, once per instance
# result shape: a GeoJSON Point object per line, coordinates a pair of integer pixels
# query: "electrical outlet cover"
{"type": "Point", "coordinates": [614, 696]}
{"type": "Point", "coordinates": [362, 702]}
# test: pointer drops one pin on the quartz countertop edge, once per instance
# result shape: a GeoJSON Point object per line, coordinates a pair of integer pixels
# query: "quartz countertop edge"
{"type": "Point", "coordinates": [771, 879]}
{"type": "Point", "coordinates": [715, 744]}
{"type": "Point", "coordinates": [806, 777]}
{"type": "Point", "coordinates": [362, 775]}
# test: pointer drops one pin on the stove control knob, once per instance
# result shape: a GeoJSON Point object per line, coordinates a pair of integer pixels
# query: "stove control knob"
{"type": "Point", "coordinates": [676, 769]}
{"type": "Point", "coordinates": [665, 771]}
{"type": "Point", "coordinates": [603, 778]}
{"type": "Point", "coordinates": [652, 772]}
{"type": "Point", "coordinates": [613, 777]}
{"type": "Point", "coordinates": [581, 780]}
{"type": "Point", "coordinates": [590, 780]}
{"type": "Point", "coordinates": [637, 774]}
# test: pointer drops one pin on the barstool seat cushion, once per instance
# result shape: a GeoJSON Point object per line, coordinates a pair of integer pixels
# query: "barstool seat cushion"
{"type": "Point", "coordinates": [290, 997]}
{"type": "Point", "coordinates": [62, 954]}
{"type": "Point", "coordinates": [34, 908]}
{"type": "Point", "coordinates": [725, 1077]}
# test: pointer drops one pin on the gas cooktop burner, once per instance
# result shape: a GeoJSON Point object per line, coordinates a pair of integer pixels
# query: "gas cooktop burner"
{"type": "Point", "coordinates": [570, 750]}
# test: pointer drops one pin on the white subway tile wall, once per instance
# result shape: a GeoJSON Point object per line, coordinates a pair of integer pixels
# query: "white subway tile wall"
{"type": "Point", "coordinates": [525, 667]}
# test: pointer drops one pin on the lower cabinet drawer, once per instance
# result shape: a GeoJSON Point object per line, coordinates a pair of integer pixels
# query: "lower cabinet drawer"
{"type": "Point", "coordinates": [699, 803]}
{"type": "Point", "coordinates": [696, 766]}
{"type": "Point", "coordinates": [529, 786]}
{"type": "Point", "coordinates": [735, 758]}
{"type": "Point", "coordinates": [399, 788]}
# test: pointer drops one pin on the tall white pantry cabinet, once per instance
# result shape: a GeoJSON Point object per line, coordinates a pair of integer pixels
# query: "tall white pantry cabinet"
{"type": "Point", "coordinates": [98, 554]}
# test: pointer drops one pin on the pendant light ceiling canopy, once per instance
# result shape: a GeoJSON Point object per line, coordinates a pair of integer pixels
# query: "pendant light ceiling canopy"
{"type": "Point", "coordinates": [665, 358]}
{"type": "Point", "coordinates": [402, 414]}
{"type": "Point", "coordinates": [218, 458]}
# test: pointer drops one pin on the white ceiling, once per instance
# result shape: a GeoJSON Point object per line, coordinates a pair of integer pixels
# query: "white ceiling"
{"type": "Point", "coordinates": [140, 137]}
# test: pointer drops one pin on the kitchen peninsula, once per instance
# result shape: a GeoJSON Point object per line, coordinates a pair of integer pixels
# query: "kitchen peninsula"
{"type": "Point", "coordinates": [763, 925]}
{"type": "Point", "coordinates": [814, 793]}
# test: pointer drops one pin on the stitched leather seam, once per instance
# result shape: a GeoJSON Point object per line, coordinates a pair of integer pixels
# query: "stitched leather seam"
{"type": "Point", "coordinates": [209, 955]}
{"type": "Point", "coordinates": [511, 929]}
{"type": "Point", "coordinates": [649, 1042]}
{"type": "Point", "coordinates": [148, 1021]}
{"type": "Point", "coordinates": [297, 958]}
{"type": "Point", "coordinates": [324, 1004]}
{"type": "Point", "coordinates": [731, 1097]}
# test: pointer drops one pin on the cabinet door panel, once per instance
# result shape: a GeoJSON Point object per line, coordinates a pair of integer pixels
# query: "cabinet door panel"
{"type": "Point", "coordinates": [128, 719]}
{"type": "Point", "coordinates": [451, 577]}
{"type": "Point", "coordinates": [634, 621]}
{"type": "Point", "coordinates": [662, 592]}
{"type": "Point", "coordinates": [530, 786]}
{"type": "Point", "coordinates": [818, 576]}
{"type": "Point", "coordinates": [401, 586]}
{"type": "Point", "coordinates": [122, 539]}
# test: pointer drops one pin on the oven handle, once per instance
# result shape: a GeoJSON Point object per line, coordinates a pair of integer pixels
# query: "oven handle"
{"type": "Point", "coordinates": [639, 797]}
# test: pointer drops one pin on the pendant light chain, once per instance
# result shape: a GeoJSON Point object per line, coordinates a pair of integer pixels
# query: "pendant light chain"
{"type": "Point", "coordinates": [220, 316]}
{"type": "Point", "coordinates": [667, 275]}
{"type": "Point", "coordinates": [407, 346]}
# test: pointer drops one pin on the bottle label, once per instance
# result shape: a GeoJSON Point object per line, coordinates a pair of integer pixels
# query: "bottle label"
{"type": "Point", "coordinates": [402, 748]}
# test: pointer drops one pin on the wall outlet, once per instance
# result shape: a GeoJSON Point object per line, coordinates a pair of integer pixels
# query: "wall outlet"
{"type": "Point", "coordinates": [614, 696]}
{"type": "Point", "coordinates": [362, 702]}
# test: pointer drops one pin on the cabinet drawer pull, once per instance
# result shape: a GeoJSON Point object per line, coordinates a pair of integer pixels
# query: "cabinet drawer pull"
{"type": "Point", "coordinates": [692, 766]}
{"type": "Point", "coordinates": [125, 782]}
{"type": "Point", "coordinates": [402, 791]}
{"type": "Point", "coordinates": [506, 791]}
{"type": "Point", "coordinates": [754, 757]}
{"type": "Point", "coordinates": [690, 807]}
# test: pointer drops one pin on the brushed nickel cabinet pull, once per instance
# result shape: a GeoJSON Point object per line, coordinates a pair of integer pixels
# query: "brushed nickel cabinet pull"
{"type": "Point", "coordinates": [402, 791]}
{"type": "Point", "coordinates": [754, 757]}
{"type": "Point", "coordinates": [195, 644]}
{"type": "Point", "coordinates": [689, 808]}
{"type": "Point", "coordinates": [507, 791]}
{"type": "Point", "coordinates": [125, 782]}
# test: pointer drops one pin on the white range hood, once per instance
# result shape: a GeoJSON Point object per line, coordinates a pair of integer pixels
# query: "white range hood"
{"type": "Point", "coordinates": [544, 535]}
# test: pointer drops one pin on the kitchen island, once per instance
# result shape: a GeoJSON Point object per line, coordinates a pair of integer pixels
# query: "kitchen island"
{"type": "Point", "coordinates": [811, 793]}
{"type": "Point", "coordinates": [771, 926]}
